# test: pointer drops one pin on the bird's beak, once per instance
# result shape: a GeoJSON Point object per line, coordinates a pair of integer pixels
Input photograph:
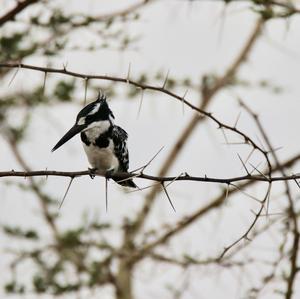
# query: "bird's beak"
{"type": "Point", "coordinates": [71, 133]}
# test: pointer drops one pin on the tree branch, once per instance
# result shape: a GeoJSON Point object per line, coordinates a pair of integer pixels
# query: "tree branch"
{"type": "Point", "coordinates": [201, 111]}
{"type": "Point", "coordinates": [10, 16]}
{"type": "Point", "coordinates": [161, 179]}
{"type": "Point", "coordinates": [188, 220]}
{"type": "Point", "coordinates": [292, 211]}
{"type": "Point", "coordinates": [207, 94]}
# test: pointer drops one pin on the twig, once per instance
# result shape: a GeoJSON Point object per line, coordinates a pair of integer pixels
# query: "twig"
{"type": "Point", "coordinates": [292, 212]}
{"type": "Point", "coordinates": [246, 234]}
{"type": "Point", "coordinates": [143, 87]}
{"type": "Point", "coordinates": [188, 220]}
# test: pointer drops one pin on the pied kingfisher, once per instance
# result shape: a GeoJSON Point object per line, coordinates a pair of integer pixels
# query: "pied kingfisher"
{"type": "Point", "coordinates": [103, 141]}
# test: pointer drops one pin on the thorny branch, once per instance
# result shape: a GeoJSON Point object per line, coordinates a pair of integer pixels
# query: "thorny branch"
{"type": "Point", "coordinates": [207, 95]}
{"type": "Point", "coordinates": [257, 216]}
{"type": "Point", "coordinates": [42, 198]}
{"type": "Point", "coordinates": [215, 203]}
{"type": "Point", "coordinates": [138, 175]}
{"type": "Point", "coordinates": [291, 210]}
{"type": "Point", "coordinates": [223, 81]}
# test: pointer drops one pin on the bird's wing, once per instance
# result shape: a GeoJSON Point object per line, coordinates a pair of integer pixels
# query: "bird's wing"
{"type": "Point", "coordinates": [119, 137]}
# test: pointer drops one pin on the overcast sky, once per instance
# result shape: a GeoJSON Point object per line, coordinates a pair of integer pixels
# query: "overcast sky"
{"type": "Point", "coordinates": [189, 39]}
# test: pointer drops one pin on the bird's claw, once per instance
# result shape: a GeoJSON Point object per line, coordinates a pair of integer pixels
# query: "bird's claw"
{"type": "Point", "coordinates": [109, 173]}
{"type": "Point", "coordinates": [92, 173]}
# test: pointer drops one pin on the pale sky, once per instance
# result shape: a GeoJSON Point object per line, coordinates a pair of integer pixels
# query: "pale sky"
{"type": "Point", "coordinates": [188, 39]}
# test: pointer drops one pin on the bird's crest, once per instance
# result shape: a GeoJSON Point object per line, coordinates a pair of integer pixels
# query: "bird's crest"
{"type": "Point", "coordinates": [101, 97]}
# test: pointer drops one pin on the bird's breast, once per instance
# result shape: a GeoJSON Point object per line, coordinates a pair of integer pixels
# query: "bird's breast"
{"type": "Point", "coordinates": [100, 152]}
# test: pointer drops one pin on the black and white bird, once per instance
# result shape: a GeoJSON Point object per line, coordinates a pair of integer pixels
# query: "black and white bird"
{"type": "Point", "coordinates": [105, 143]}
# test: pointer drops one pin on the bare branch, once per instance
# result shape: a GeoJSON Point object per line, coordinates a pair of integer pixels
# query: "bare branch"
{"type": "Point", "coordinates": [188, 220]}
{"type": "Point", "coordinates": [246, 234]}
{"type": "Point", "coordinates": [292, 211]}
{"type": "Point", "coordinates": [122, 176]}
{"type": "Point", "coordinates": [21, 5]}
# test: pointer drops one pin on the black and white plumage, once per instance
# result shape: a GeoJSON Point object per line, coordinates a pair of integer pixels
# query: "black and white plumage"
{"type": "Point", "coordinates": [105, 143]}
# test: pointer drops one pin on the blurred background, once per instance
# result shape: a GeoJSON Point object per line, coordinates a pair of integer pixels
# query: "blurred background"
{"type": "Point", "coordinates": [234, 59]}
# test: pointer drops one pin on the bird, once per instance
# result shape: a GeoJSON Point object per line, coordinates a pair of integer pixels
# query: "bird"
{"type": "Point", "coordinates": [105, 143]}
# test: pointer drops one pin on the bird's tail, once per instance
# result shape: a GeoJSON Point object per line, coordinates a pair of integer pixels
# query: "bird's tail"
{"type": "Point", "coordinates": [125, 183]}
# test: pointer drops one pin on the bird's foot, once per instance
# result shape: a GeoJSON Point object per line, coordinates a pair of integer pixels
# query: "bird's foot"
{"type": "Point", "coordinates": [92, 173]}
{"type": "Point", "coordinates": [109, 172]}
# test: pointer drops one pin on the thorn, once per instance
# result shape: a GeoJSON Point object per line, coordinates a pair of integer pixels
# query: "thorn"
{"type": "Point", "coordinates": [246, 194]}
{"type": "Point", "coordinates": [237, 119]}
{"type": "Point", "coordinates": [14, 75]}
{"type": "Point", "coordinates": [140, 104]}
{"type": "Point", "coordinates": [222, 23]}
{"type": "Point", "coordinates": [65, 66]}
{"type": "Point", "coordinates": [260, 172]}
{"type": "Point", "coordinates": [65, 195]}
{"type": "Point", "coordinates": [247, 239]}
{"type": "Point", "coordinates": [234, 143]}
{"type": "Point", "coordinates": [169, 199]}
{"type": "Point", "coordinates": [144, 188]}
{"type": "Point", "coordinates": [249, 156]}
{"type": "Point", "coordinates": [47, 174]}
{"type": "Point", "coordinates": [268, 203]}
{"type": "Point", "coordinates": [227, 192]}
{"type": "Point", "coordinates": [86, 80]}
{"type": "Point", "coordinates": [273, 214]}
{"type": "Point", "coordinates": [129, 177]}
{"type": "Point", "coordinates": [254, 168]}
{"type": "Point", "coordinates": [183, 99]}
{"type": "Point", "coordinates": [275, 149]}
{"type": "Point", "coordinates": [44, 83]}
{"type": "Point", "coordinates": [297, 183]}
{"type": "Point", "coordinates": [128, 73]}
{"type": "Point", "coordinates": [243, 164]}
{"type": "Point", "coordinates": [224, 135]}
{"type": "Point", "coordinates": [166, 79]}
{"type": "Point", "coordinates": [148, 163]}
{"type": "Point", "coordinates": [106, 197]}
{"type": "Point", "coordinates": [175, 179]}
{"type": "Point", "coordinates": [261, 143]}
